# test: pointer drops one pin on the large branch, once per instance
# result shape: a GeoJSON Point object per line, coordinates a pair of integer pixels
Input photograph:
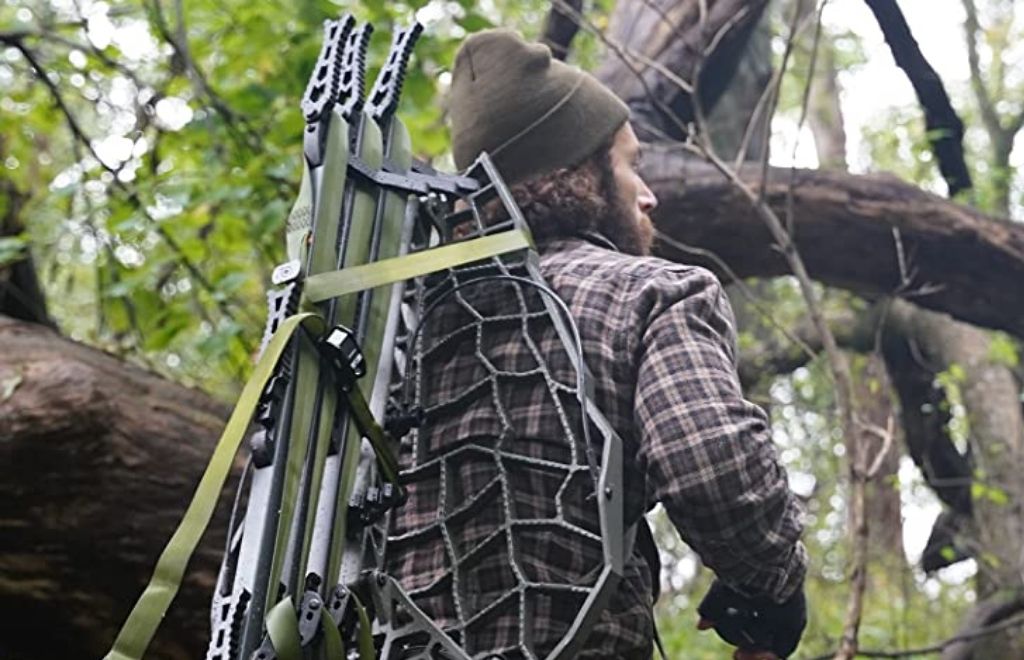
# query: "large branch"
{"type": "Point", "coordinates": [945, 130]}
{"type": "Point", "coordinates": [874, 235]}
{"type": "Point", "coordinates": [99, 460]}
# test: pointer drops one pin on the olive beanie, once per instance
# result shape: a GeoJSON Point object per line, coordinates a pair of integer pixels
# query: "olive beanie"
{"type": "Point", "coordinates": [531, 113]}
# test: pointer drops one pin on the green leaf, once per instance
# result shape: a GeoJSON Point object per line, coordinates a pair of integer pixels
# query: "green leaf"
{"type": "Point", "coordinates": [233, 282]}
{"type": "Point", "coordinates": [474, 22]}
{"type": "Point", "coordinates": [993, 494]}
{"type": "Point", "coordinates": [1002, 350]}
{"type": "Point", "coordinates": [13, 249]}
{"type": "Point", "coordinates": [172, 326]}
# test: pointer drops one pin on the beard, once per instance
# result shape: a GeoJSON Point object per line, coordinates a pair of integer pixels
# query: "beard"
{"type": "Point", "coordinates": [616, 222]}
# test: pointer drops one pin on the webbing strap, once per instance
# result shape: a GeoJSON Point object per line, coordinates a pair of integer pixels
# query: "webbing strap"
{"type": "Point", "coordinates": [318, 288]}
{"type": "Point", "coordinates": [141, 625]}
{"type": "Point", "coordinates": [369, 427]}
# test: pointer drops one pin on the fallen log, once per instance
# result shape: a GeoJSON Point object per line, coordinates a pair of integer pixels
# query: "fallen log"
{"type": "Point", "coordinates": [100, 458]}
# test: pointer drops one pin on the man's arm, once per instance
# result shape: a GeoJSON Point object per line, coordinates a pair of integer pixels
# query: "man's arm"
{"type": "Point", "coordinates": [709, 453]}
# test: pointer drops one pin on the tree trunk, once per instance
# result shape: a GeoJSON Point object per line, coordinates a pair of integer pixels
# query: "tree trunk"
{"type": "Point", "coordinates": [825, 113]}
{"type": "Point", "coordinates": [990, 396]}
{"type": "Point", "coordinates": [99, 458]}
{"type": "Point", "coordinates": [731, 117]}
{"type": "Point", "coordinates": [676, 36]}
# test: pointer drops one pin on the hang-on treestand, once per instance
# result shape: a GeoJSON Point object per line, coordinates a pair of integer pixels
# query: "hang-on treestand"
{"type": "Point", "coordinates": [373, 252]}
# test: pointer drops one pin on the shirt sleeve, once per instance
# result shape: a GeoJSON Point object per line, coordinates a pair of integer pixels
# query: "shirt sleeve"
{"type": "Point", "coordinates": [708, 452]}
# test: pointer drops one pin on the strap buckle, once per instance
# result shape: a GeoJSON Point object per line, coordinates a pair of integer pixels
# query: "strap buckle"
{"type": "Point", "coordinates": [340, 348]}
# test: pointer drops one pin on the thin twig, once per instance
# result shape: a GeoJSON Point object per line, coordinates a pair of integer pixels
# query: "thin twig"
{"type": "Point", "coordinates": [886, 435]}
{"type": "Point", "coordinates": [989, 115]}
{"type": "Point", "coordinates": [770, 89]}
{"type": "Point", "coordinates": [804, 105]}
{"type": "Point", "coordinates": [839, 368]}
{"type": "Point", "coordinates": [1005, 624]}
{"type": "Point", "coordinates": [773, 100]}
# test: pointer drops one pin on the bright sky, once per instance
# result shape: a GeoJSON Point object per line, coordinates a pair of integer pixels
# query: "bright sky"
{"type": "Point", "coordinates": [937, 25]}
{"type": "Point", "coordinates": [880, 84]}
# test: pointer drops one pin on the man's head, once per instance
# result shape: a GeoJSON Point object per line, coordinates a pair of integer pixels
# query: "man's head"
{"type": "Point", "coordinates": [559, 137]}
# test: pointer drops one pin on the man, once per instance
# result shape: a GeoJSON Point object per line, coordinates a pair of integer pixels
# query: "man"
{"type": "Point", "coordinates": [659, 341]}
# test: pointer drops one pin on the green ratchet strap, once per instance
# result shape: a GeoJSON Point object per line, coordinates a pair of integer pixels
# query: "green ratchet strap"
{"type": "Point", "coordinates": [141, 625]}
{"type": "Point", "coordinates": [388, 271]}
{"type": "Point", "coordinates": [369, 427]}
{"type": "Point", "coordinates": [304, 382]}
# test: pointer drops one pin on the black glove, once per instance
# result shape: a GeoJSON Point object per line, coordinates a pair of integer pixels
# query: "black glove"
{"type": "Point", "coordinates": [755, 624]}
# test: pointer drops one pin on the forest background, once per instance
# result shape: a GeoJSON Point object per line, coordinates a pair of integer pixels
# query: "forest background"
{"type": "Point", "coordinates": [864, 216]}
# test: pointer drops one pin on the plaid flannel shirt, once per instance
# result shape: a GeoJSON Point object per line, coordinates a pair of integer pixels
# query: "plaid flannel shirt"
{"type": "Point", "coordinates": [659, 340]}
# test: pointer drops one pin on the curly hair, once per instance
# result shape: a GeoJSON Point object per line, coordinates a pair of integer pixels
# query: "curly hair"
{"type": "Point", "coordinates": [572, 201]}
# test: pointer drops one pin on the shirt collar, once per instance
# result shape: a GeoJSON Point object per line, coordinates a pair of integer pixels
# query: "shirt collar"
{"type": "Point", "coordinates": [590, 236]}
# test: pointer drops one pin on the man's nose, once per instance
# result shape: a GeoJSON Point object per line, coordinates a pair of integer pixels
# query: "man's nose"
{"type": "Point", "coordinates": [648, 202]}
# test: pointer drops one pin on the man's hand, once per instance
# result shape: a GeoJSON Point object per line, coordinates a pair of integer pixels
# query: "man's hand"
{"type": "Point", "coordinates": [759, 627]}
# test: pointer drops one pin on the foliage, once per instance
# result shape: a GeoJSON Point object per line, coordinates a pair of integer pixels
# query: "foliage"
{"type": "Point", "coordinates": [157, 226]}
{"type": "Point", "coordinates": [157, 220]}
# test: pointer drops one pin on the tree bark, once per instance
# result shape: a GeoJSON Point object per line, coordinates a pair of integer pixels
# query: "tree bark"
{"type": "Point", "coordinates": [954, 259]}
{"type": "Point", "coordinates": [677, 37]}
{"type": "Point", "coordinates": [560, 29]}
{"type": "Point", "coordinates": [729, 121]}
{"type": "Point", "coordinates": [988, 612]}
{"type": "Point", "coordinates": [924, 411]}
{"type": "Point", "coordinates": [991, 490]}
{"type": "Point", "coordinates": [99, 458]}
